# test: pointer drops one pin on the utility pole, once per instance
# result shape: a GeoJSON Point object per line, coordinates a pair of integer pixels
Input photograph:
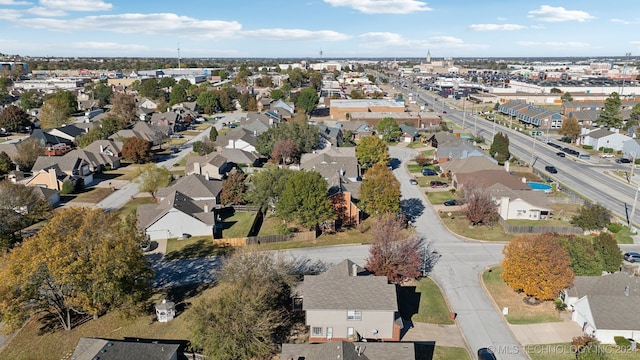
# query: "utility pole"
{"type": "Point", "coordinates": [624, 71]}
{"type": "Point", "coordinates": [464, 115]}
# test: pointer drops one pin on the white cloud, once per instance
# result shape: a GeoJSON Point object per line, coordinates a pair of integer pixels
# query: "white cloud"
{"type": "Point", "coordinates": [377, 40]}
{"type": "Point", "coordinates": [496, 27]}
{"type": "Point", "coordinates": [382, 6]}
{"type": "Point", "coordinates": [556, 44]}
{"type": "Point", "coordinates": [95, 45]}
{"type": "Point", "coordinates": [150, 24]}
{"type": "Point", "coordinates": [77, 5]}
{"type": "Point", "coordinates": [622, 21]}
{"type": "Point", "coordinates": [45, 12]}
{"type": "Point", "coordinates": [295, 34]}
{"type": "Point", "coordinates": [14, 2]}
{"type": "Point", "coordinates": [537, 26]}
{"type": "Point", "coordinates": [500, 18]}
{"type": "Point", "coordinates": [548, 13]}
{"type": "Point", "coordinates": [9, 14]}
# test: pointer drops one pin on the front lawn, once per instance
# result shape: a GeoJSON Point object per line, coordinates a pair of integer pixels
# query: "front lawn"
{"type": "Point", "coordinates": [458, 224]}
{"type": "Point", "coordinates": [519, 312]}
{"type": "Point", "coordinates": [439, 197]}
{"type": "Point", "coordinates": [433, 308]}
{"type": "Point", "coordinates": [450, 353]}
{"type": "Point", "coordinates": [92, 195]}
{"type": "Point", "coordinates": [131, 206]}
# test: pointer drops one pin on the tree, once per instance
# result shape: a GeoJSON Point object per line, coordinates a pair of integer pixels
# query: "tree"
{"type": "Point", "coordinates": [570, 128]}
{"type": "Point", "coordinates": [608, 252]}
{"type": "Point", "coordinates": [268, 185]}
{"type": "Point", "coordinates": [102, 93]}
{"type": "Point", "coordinates": [178, 95]}
{"type": "Point", "coordinates": [305, 135]}
{"type": "Point", "coordinates": [356, 94]}
{"type": "Point", "coordinates": [392, 254]}
{"type": "Point", "coordinates": [371, 150]}
{"type": "Point", "coordinates": [249, 314]}
{"type": "Point", "coordinates": [480, 207]}
{"type": "Point", "coordinates": [285, 151]}
{"type": "Point", "coordinates": [389, 130]}
{"type": "Point", "coordinates": [500, 148]}
{"type": "Point", "coordinates": [30, 99]}
{"type": "Point", "coordinates": [592, 217]}
{"type": "Point", "coordinates": [149, 88]}
{"type": "Point", "coordinates": [566, 97]}
{"type": "Point", "coordinates": [610, 115]}
{"type": "Point", "coordinates": [304, 199]}
{"type": "Point", "coordinates": [83, 262]}
{"type": "Point", "coordinates": [12, 118]}
{"type": "Point", "coordinates": [234, 189]}
{"type": "Point", "coordinates": [307, 100]}
{"type": "Point", "coordinates": [213, 133]}
{"type": "Point", "coordinates": [152, 177]}
{"type": "Point", "coordinates": [380, 191]}
{"type": "Point", "coordinates": [54, 113]}
{"type": "Point", "coordinates": [204, 147]}
{"type": "Point", "coordinates": [21, 207]}
{"type": "Point", "coordinates": [136, 150]}
{"type": "Point", "coordinates": [537, 265]}
{"type": "Point", "coordinates": [6, 164]}
{"type": "Point", "coordinates": [208, 101]}
{"type": "Point", "coordinates": [166, 82]}
{"type": "Point", "coordinates": [27, 154]}
{"type": "Point", "coordinates": [123, 108]}
{"type": "Point", "coordinates": [555, 91]}
{"type": "Point", "coordinates": [277, 94]}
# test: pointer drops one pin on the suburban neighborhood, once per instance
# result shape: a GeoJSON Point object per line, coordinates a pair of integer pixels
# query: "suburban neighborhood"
{"type": "Point", "coordinates": [378, 209]}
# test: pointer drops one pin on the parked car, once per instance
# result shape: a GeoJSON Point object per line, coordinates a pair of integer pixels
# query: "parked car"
{"type": "Point", "coordinates": [623, 161]}
{"type": "Point", "coordinates": [429, 172]}
{"type": "Point", "coordinates": [453, 202]}
{"type": "Point", "coordinates": [608, 155]}
{"type": "Point", "coordinates": [561, 154]}
{"type": "Point", "coordinates": [413, 181]}
{"type": "Point", "coordinates": [486, 354]}
{"type": "Point", "coordinates": [632, 256]}
{"type": "Point", "coordinates": [551, 169]}
{"type": "Point", "coordinates": [436, 184]}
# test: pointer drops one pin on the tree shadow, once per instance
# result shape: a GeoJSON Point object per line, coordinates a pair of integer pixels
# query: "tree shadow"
{"type": "Point", "coordinates": [201, 248]}
{"type": "Point", "coordinates": [412, 208]}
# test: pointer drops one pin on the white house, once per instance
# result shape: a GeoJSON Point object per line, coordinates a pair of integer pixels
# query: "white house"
{"type": "Point", "coordinates": [521, 204]}
{"type": "Point", "coordinates": [606, 306]}
{"type": "Point", "coordinates": [604, 138]}
{"type": "Point", "coordinates": [631, 148]}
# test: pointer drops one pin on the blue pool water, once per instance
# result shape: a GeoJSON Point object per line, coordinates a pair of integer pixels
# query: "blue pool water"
{"type": "Point", "coordinates": [539, 186]}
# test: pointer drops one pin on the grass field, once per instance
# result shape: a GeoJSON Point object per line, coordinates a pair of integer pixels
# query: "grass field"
{"type": "Point", "coordinates": [238, 225]}
{"type": "Point", "coordinates": [92, 195]}
{"type": "Point", "coordinates": [458, 224]}
{"type": "Point", "coordinates": [450, 353]}
{"type": "Point", "coordinates": [519, 312]}
{"type": "Point", "coordinates": [433, 308]}
{"type": "Point", "coordinates": [439, 197]}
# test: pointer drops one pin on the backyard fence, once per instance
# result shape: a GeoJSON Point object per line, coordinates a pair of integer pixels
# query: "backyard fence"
{"type": "Point", "coordinates": [265, 239]}
{"type": "Point", "coordinates": [536, 229]}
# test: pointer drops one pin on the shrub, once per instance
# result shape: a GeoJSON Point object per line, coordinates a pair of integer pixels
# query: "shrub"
{"type": "Point", "coordinates": [67, 187]}
{"type": "Point", "coordinates": [363, 227]}
{"type": "Point", "coordinates": [622, 342]}
{"type": "Point", "coordinates": [422, 160]}
{"type": "Point", "coordinates": [283, 229]}
{"type": "Point", "coordinates": [614, 227]}
{"type": "Point", "coordinates": [578, 342]}
{"type": "Point", "coordinates": [587, 147]}
{"type": "Point", "coordinates": [559, 304]}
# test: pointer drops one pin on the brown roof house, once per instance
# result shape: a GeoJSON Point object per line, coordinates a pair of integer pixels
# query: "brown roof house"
{"type": "Point", "coordinates": [176, 214]}
{"type": "Point", "coordinates": [606, 306]}
{"type": "Point", "coordinates": [195, 186]}
{"type": "Point", "coordinates": [470, 164]}
{"type": "Point", "coordinates": [483, 179]}
{"type": "Point", "coordinates": [348, 303]}
{"type": "Point", "coordinates": [70, 166]}
{"type": "Point", "coordinates": [238, 138]}
{"type": "Point", "coordinates": [212, 165]}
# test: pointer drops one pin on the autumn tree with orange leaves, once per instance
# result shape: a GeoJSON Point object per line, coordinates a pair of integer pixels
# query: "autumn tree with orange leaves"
{"type": "Point", "coordinates": [537, 265]}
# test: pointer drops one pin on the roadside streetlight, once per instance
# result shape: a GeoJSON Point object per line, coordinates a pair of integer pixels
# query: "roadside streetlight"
{"type": "Point", "coordinates": [633, 211]}
{"type": "Point", "coordinates": [624, 71]}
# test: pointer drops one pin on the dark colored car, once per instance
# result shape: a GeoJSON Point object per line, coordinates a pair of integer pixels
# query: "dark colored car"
{"type": "Point", "coordinates": [453, 202]}
{"type": "Point", "coordinates": [623, 161]}
{"type": "Point", "coordinates": [632, 256]}
{"type": "Point", "coordinates": [413, 181]}
{"type": "Point", "coordinates": [437, 183]}
{"type": "Point", "coordinates": [429, 172]}
{"type": "Point", "coordinates": [444, 112]}
{"type": "Point", "coordinates": [551, 169]}
{"type": "Point", "coordinates": [561, 154]}
{"type": "Point", "coordinates": [486, 354]}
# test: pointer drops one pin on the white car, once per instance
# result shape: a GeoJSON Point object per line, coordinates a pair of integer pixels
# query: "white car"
{"type": "Point", "coordinates": [607, 155]}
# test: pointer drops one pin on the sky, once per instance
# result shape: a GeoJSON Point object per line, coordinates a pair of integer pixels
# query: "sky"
{"type": "Point", "coordinates": [328, 29]}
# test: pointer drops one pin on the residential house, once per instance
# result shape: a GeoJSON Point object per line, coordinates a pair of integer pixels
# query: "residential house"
{"type": "Point", "coordinates": [195, 186]}
{"type": "Point", "coordinates": [409, 133]}
{"type": "Point", "coordinates": [241, 157]}
{"type": "Point", "coordinates": [603, 138]}
{"type": "Point", "coordinates": [140, 130]}
{"type": "Point", "coordinates": [355, 351]}
{"type": "Point", "coordinates": [71, 165]}
{"type": "Point", "coordinates": [442, 137]}
{"type": "Point", "coordinates": [460, 149]}
{"type": "Point", "coordinates": [52, 196]}
{"type": "Point", "coordinates": [257, 123]}
{"type": "Point", "coordinates": [106, 349]}
{"type": "Point", "coordinates": [144, 114]}
{"type": "Point", "coordinates": [585, 117]}
{"type": "Point", "coordinates": [469, 164]}
{"type": "Point", "coordinates": [606, 306]}
{"type": "Point", "coordinates": [107, 147]}
{"type": "Point", "coordinates": [49, 141]}
{"type": "Point", "coordinates": [359, 129]}
{"type": "Point", "coordinates": [264, 103]}
{"type": "Point", "coordinates": [331, 134]}
{"type": "Point", "coordinates": [212, 165]}
{"type": "Point", "coordinates": [50, 178]}
{"type": "Point", "coordinates": [98, 161]}
{"type": "Point", "coordinates": [334, 161]}
{"type": "Point", "coordinates": [520, 204]}
{"type": "Point", "coordinates": [238, 138]}
{"type": "Point", "coordinates": [284, 110]}
{"type": "Point", "coordinates": [69, 132]}
{"type": "Point", "coordinates": [348, 303]}
{"type": "Point", "coordinates": [483, 179]}
{"type": "Point", "coordinates": [176, 214]}
{"type": "Point", "coordinates": [148, 104]}
{"type": "Point", "coordinates": [166, 122]}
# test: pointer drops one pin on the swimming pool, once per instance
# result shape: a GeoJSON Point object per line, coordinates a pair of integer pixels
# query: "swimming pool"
{"type": "Point", "coordinates": [539, 186]}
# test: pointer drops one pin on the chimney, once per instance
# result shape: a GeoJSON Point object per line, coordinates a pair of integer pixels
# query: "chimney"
{"type": "Point", "coordinates": [101, 149]}
{"type": "Point", "coordinates": [626, 290]}
{"type": "Point", "coordinates": [206, 176]}
{"type": "Point", "coordinates": [354, 270]}
{"type": "Point", "coordinates": [196, 168]}
{"type": "Point", "coordinates": [206, 208]}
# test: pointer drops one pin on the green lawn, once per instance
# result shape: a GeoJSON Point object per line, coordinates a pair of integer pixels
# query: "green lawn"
{"type": "Point", "coordinates": [92, 195]}
{"type": "Point", "coordinates": [429, 152]}
{"type": "Point", "coordinates": [131, 206]}
{"type": "Point", "coordinates": [624, 236]}
{"type": "Point", "coordinates": [194, 247]}
{"type": "Point", "coordinates": [238, 225]}
{"type": "Point", "coordinates": [458, 224]}
{"type": "Point", "coordinates": [415, 145]}
{"type": "Point", "coordinates": [450, 353]}
{"type": "Point", "coordinates": [439, 197]}
{"type": "Point", "coordinates": [433, 308]}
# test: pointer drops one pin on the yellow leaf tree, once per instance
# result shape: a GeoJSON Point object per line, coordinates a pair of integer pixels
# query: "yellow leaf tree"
{"type": "Point", "coordinates": [82, 263]}
{"type": "Point", "coordinates": [537, 265]}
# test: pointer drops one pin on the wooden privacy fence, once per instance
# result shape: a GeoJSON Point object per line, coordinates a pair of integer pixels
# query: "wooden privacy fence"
{"type": "Point", "coordinates": [540, 229]}
{"type": "Point", "coordinates": [265, 239]}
